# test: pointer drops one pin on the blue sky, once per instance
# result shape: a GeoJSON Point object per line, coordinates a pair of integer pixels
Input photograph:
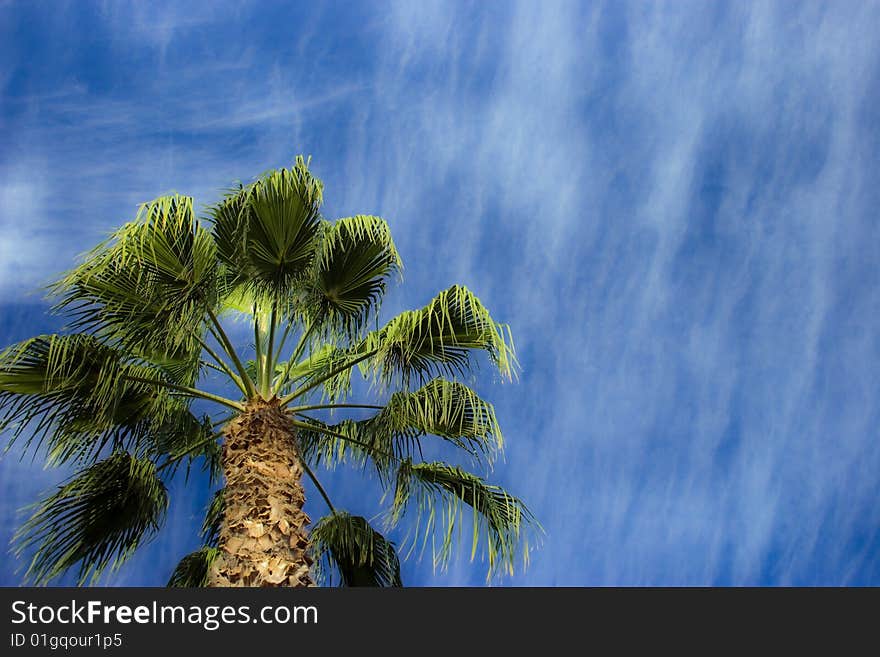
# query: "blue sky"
{"type": "Point", "coordinates": [673, 204]}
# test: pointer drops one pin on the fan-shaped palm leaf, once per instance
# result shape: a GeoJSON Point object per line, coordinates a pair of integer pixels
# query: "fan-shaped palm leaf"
{"type": "Point", "coordinates": [213, 518]}
{"type": "Point", "coordinates": [439, 490]}
{"type": "Point", "coordinates": [96, 520]}
{"type": "Point", "coordinates": [148, 287]}
{"type": "Point", "coordinates": [360, 554]}
{"type": "Point", "coordinates": [80, 395]}
{"type": "Point", "coordinates": [348, 280]}
{"type": "Point", "coordinates": [266, 232]}
{"type": "Point", "coordinates": [185, 437]}
{"type": "Point", "coordinates": [437, 339]}
{"type": "Point", "coordinates": [418, 344]}
{"type": "Point", "coordinates": [447, 409]}
{"type": "Point", "coordinates": [192, 571]}
{"type": "Point", "coordinates": [325, 367]}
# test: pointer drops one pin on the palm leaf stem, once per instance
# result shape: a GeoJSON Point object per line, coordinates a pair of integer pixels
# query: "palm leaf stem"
{"type": "Point", "coordinates": [292, 360]}
{"type": "Point", "coordinates": [342, 368]}
{"type": "Point", "coordinates": [191, 392]}
{"type": "Point", "coordinates": [222, 365]}
{"type": "Point", "coordinates": [220, 334]}
{"type": "Point", "coordinates": [318, 485]}
{"type": "Point", "coordinates": [342, 436]}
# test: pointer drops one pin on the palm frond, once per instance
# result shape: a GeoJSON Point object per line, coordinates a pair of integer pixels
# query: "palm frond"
{"type": "Point", "coordinates": [360, 554]}
{"type": "Point", "coordinates": [96, 520]}
{"type": "Point", "coordinates": [439, 492]}
{"type": "Point", "coordinates": [77, 396]}
{"type": "Point", "coordinates": [447, 409]}
{"type": "Point", "coordinates": [192, 571]}
{"type": "Point", "coordinates": [348, 278]}
{"type": "Point", "coordinates": [214, 518]}
{"type": "Point", "coordinates": [438, 339]}
{"type": "Point", "coordinates": [267, 232]}
{"type": "Point", "coordinates": [147, 287]}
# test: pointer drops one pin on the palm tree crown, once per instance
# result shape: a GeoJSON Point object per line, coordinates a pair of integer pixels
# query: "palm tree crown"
{"type": "Point", "coordinates": [148, 316]}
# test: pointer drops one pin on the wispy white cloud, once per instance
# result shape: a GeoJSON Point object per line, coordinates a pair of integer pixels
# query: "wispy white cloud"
{"type": "Point", "coordinates": [27, 235]}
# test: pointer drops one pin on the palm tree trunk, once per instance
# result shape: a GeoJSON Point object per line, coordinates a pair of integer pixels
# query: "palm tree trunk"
{"type": "Point", "coordinates": [263, 537]}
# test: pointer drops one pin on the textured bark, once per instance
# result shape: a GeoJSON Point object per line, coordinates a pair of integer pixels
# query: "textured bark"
{"type": "Point", "coordinates": [263, 536]}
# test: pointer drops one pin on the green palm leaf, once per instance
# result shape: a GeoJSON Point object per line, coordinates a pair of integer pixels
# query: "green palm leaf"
{"type": "Point", "coordinates": [348, 281]}
{"type": "Point", "coordinates": [435, 340]}
{"type": "Point", "coordinates": [96, 520]}
{"type": "Point", "coordinates": [213, 518]}
{"type": "Point", "coordinates": [447, 409]}
{"type": "Point", "coordinates": [316, 366]}
{"type": "Point", "coordinates": [267, 232]}
{"type": "Point", "coordinates": [360, 554]}
{"type": "Point", "coordinates": [442, 408]}
{"type": "Point", "coordinates": [147, 288]}
{"type": "Point", "coordinates": [438, 339]}
{"type": "Point", "coordinates": [77, 396]}
{"type": "Point", "coordinates": [439, 492]}
{"type": "Point", "coordinates": [192, 571]}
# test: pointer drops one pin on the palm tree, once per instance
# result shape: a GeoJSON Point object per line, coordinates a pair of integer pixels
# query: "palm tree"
{"type": "Point", "coordinates": [148, 339]}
